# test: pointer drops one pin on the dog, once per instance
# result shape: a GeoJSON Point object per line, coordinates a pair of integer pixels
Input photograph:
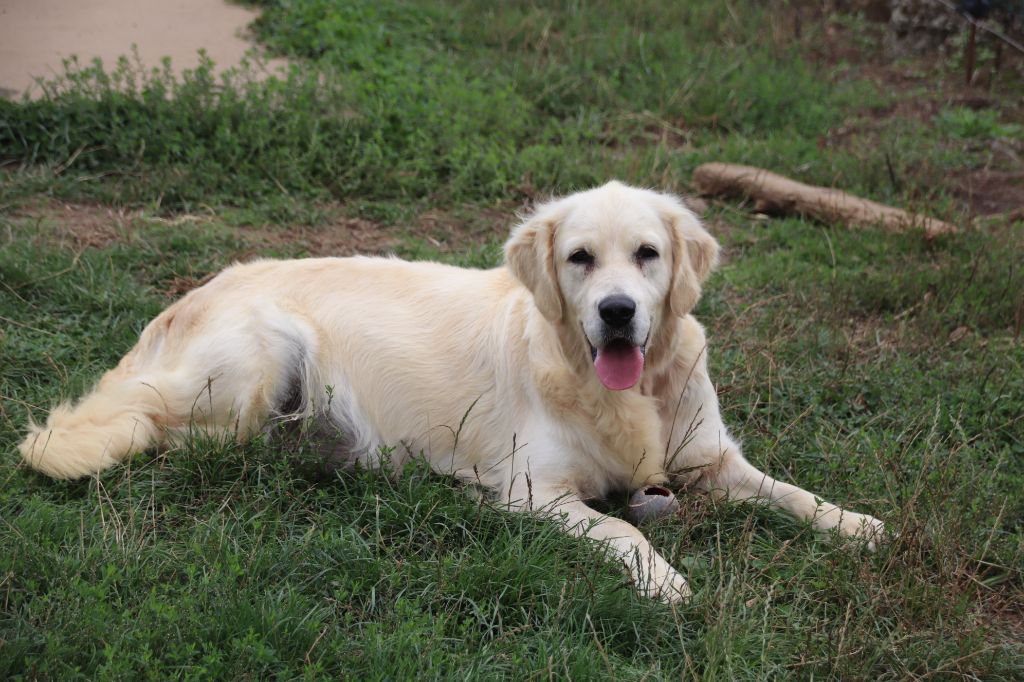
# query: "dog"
{"type": "Point", "coordinates": [574, 370]}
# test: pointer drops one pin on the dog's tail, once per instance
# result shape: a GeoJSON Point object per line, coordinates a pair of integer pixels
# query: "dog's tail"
{"type": "Point", "coordinates": [114, 421]}
{"type": "Point", "coordinates": [223, 367]}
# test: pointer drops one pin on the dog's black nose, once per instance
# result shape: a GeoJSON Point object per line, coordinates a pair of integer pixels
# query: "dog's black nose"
{"type": "Point", "coordinates": [617, 310]}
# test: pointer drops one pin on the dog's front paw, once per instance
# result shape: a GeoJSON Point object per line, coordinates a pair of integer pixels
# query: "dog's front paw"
{"type": "Point", "coordinates": [668, 586]}
{"type": "Point", "coordinates": [675, 590]}
{"type": "Point", "coordinates": [862, 527]}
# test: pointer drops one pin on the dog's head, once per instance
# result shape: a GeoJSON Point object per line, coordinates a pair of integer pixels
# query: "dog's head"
{"type": "Point", "coordinates": [613, 263]}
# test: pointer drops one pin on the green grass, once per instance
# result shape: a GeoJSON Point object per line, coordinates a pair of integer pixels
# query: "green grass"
{"type": "Point", "coordinates": [880, 371]}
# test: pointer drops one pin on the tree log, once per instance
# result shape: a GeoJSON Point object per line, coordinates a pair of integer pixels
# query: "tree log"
{"type": "Point", "coordinates": [778, 195]}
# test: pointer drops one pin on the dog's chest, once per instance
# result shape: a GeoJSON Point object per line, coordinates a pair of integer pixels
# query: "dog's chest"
{"type": "Point", "coordinates": [618, 444]}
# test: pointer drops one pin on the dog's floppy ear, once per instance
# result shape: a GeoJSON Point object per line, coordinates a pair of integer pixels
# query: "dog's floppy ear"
{"type": "Point", "coordinates": [694, 254]}
{"type": "Point", "coordinates": [529, 253]}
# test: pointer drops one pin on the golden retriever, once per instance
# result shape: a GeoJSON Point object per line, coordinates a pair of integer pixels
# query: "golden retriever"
{"type": "Point", "coordinates": [573, 370]}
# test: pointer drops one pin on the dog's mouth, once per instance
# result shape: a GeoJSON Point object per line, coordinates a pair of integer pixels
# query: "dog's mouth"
{"type": "Point", "coordinates": [618, 363]}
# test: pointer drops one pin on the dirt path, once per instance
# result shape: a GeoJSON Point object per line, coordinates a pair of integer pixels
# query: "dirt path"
{"type": "Point", "coordinates": [35, 35]}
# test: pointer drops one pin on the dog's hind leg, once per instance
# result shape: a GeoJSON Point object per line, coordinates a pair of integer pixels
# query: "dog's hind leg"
{"type": "Point", "coordinates": [224, 372]}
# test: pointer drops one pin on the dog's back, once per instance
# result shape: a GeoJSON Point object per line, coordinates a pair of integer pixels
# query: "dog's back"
{"type": "Point", "coordinates": [412, 344]}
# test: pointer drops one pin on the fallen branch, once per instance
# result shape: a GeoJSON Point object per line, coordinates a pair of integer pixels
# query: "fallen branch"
{"type": "Point", "coordinates": [778, 195]}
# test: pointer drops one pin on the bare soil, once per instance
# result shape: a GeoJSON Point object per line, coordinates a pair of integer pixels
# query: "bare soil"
{"type": "Point", "coordinates": [36, 35]}
{"type": "Point", "coordinates": [989, 191]}
{"type": "Point", "coordinates": [78, 226]}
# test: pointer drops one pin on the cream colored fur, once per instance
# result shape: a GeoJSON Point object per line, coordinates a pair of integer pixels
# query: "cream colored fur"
{"type": "Point", "coordinates": [392, 353]}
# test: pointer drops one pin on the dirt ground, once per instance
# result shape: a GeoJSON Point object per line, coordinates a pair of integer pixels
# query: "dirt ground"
{"type": "Point", "coordinates": [35, 35]}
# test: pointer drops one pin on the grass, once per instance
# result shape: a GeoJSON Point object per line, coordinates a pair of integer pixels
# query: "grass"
{"type": "Point", "coordinates": [882, 372]}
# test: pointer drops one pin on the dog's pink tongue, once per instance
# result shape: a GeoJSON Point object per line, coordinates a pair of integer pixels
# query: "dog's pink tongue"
{"type": "Point", "coordinates": [619, 367]}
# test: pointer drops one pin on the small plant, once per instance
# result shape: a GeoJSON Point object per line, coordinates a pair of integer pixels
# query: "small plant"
{"type": "Point", "coordinates": [969, 124]}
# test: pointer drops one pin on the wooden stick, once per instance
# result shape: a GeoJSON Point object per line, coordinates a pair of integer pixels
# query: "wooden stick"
{"type": "Point", "coordinates": [776, 194]}
{"type": "Point", "coordinates": [969, 54]}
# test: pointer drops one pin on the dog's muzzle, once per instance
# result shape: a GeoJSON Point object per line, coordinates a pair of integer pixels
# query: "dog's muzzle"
{"type": "Point", "coordinates": [618, 356]}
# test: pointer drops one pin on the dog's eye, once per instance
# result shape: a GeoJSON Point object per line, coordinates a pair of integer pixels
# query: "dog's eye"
{"type": "Point", "coordinates": [581, 257]}
{"type": "Point", "coordinates": [646, 252]}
